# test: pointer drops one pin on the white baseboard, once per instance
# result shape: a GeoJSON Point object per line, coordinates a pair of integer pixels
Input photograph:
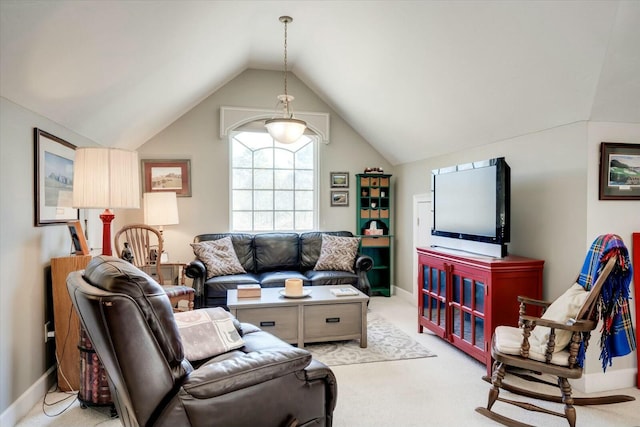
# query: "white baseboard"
{"type": "Point", "coordinates": [599, 382]}
{"type": "Point", "coordinates": [21, 407]}
{"type": "Point", "coordinates": [404, 294]}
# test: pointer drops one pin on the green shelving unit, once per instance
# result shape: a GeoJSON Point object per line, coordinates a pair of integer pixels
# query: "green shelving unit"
{"type": "Point", "coordinates": [374, 212]}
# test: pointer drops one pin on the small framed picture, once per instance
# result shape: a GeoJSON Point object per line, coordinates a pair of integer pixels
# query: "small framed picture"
{"type": "Point", "coordinates": [78, 240]}
{"type": "Point", "coordinates": [619, 171]}
{"type": "Point", "coordinates": [167, 175]}
{"type": "Point", "coordinates": [339, 179]}
{"type": "Point", "coordinates": [339, 198]}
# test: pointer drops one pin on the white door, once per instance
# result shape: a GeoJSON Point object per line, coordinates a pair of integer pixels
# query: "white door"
{"type": "Point", "coordinates": [422, 219]}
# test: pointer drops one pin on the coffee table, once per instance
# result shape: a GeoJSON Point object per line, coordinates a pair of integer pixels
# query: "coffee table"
{"type": "Point", "coordinates": [318, 317]}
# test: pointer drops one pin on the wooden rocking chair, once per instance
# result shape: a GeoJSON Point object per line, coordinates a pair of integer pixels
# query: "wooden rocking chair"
{"type": "Point", "coordinates": [146, 245]}
{"type": "Point", "coordinates": [517, 348]}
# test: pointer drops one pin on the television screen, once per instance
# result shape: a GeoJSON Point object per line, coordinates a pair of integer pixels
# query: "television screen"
{"type": "Point", "coordinates": [471, 201]}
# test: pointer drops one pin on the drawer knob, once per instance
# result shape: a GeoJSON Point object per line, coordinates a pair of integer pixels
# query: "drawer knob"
{"type": "Point", "coordinates": [268, 323]}
{"type": "Point", "coordinates": [332, 320]}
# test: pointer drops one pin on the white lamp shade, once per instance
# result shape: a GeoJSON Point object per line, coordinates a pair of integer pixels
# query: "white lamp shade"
{"type": "Point", "coordinates": [285, 131]}
{"type": "Point", "coordinates": [161, 208]}
{"type": "Point", "coordinates": [106, 178]}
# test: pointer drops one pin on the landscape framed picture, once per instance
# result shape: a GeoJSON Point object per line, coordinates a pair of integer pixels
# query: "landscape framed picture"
{"type": "Point", "coordinates": [167, 175]}
{"type": "Point", "coordinates": [339, 198]}
{"type": "Point", "coordinates": [619, 171]}
{"type": "Point", "coordinates": [53, 179]}
{"type": "Point", "coordinates": [339, 179]}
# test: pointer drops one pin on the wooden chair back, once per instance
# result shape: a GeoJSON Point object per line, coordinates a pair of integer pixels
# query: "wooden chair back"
{"type": "Point", "coordinates": [588, 309]}
{"type": "Point", "coordinates": [141, 239]}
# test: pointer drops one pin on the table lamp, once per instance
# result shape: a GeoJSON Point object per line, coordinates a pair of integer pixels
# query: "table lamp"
{"type": "Point", "coordinates": [105, 178]}
{"type": "Point", "coordinates": [160, 209]}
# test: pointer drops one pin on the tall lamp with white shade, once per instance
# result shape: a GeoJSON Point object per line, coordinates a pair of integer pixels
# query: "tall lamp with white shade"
{"type": "Point", "coordinates": [106, 178]}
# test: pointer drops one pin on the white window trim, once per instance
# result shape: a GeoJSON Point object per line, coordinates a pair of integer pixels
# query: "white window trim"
{"type": "Point", "coordinates": [232, 118]}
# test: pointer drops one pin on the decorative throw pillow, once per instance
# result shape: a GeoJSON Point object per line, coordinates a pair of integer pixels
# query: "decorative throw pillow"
{"type": "Point", "coordinates": [207, 332]}
{"type": "Point", "coordinates": [218, 256]}
{"type": "Point", "coordinates": [337, 253]}
{"type": "Point", "coordinates": [561, 310]}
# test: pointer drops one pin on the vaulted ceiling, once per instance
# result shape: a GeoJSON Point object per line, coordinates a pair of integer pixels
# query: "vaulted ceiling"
{"type": "Point", "coordinates": [414, 78]}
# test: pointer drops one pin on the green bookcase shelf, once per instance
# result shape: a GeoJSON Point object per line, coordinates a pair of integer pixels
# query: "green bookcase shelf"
{"type": "Point", "coordinates": [375, 207]}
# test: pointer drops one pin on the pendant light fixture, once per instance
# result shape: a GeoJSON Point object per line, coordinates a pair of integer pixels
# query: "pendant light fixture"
{"type": "Point", "coordinates": [285, 129]}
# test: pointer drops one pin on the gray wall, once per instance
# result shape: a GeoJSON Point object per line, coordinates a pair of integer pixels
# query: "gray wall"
{"type": "Point", "coordinates": [196, 136]}
{"type": "Point", "coordinates": [25, 254]}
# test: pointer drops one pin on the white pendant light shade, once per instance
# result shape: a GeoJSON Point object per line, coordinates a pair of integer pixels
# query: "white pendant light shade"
{"type": "Point", "coordinates": [106, 178]}
{"type": "Point", "coordinates": [285, 131]}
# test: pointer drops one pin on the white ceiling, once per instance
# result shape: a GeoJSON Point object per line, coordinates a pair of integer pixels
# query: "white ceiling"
{"type": "Point", "coordinates": [414, 78]}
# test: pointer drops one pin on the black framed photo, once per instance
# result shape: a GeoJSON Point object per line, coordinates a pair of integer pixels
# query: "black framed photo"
{"type": "Point", "coordinates": [53, 180]}
{"type": "Point", "coordinates": [78, 240]}
{"type": "Point", "coordinates": [339, 179]}
{"type": "Point", "coordinates": [339, 198]}
{"type": "Point", "coordinates": [619, 171]}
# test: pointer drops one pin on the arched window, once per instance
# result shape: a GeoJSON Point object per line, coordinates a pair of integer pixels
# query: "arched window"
{"type": "Point", "coordinates": [273, 186]}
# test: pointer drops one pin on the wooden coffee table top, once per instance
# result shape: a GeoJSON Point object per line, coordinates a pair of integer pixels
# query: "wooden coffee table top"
{"type": "Point", "coordinates": [271, 297]}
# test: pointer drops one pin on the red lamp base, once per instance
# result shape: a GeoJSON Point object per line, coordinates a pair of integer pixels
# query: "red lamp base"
{"type": "Point", "coordinates": [107, 216]}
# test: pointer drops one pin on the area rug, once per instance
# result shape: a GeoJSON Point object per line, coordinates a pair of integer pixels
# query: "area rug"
{"type": "Point", "coordinates": [385, 342]}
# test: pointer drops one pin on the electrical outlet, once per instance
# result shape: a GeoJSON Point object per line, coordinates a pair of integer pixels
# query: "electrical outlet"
{"type": "Point", "coordinates": [47, 334]}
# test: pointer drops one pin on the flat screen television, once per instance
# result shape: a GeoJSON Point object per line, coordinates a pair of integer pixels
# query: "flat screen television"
{"type": "Point", "coordinates": [471, 202]}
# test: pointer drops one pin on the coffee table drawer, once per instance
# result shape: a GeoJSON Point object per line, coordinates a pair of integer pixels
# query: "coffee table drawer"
{"type": "Point", "coordinates": [332, 322]}
{"type": "Point", "coordinates": [279, 321]}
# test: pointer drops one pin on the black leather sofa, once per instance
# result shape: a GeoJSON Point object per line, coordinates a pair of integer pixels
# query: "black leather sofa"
{"type": "Point", "coordinates": [271, 258]}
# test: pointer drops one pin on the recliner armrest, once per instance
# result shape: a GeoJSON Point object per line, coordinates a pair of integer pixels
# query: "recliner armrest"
{"type": "Point", "coordinates": [216, 378]}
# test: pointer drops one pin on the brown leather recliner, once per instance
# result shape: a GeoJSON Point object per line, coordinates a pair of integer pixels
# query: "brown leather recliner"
{"type": "Point", "coordinates": [130, 322]}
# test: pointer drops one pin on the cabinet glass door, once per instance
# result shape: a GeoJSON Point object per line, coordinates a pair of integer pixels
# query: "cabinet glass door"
{"type": "Point", "coordinates": [467, 303]}
{"type": "Point", "coordinates": [434, 296]}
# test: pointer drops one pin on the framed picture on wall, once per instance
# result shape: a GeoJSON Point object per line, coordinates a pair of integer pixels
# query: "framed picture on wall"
{"type": "Point", "coordinates": [167, 175]}
{"type": "Point", "coordinates": [619, 171]}
{"type": "Point", "coordinates": [339, 198]}
{"type": "Point", "coordinates": [339, 179]}
{"type": "Point", "coordinates": [53, 179]}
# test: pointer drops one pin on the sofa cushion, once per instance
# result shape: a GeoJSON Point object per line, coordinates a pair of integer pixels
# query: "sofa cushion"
{"type": "Point", "coordinates": [310, 245]}
{"type": "Point", "coordinates": [566, 307]}
{"type": "Point", "coordinates": [242, 244]}
{"type": "Point", "coordinates": [219, 257]}
{"type": "Point", "coordinates": [207, 333]}
{"type": "Point", "coordinates": [276, 279]}
{"type": "Point", "coordinates": [276, 252]}
{"type": "Point", "coordinates": [337, 253]}
{"type": "Point", "coordinates": [328, 277]}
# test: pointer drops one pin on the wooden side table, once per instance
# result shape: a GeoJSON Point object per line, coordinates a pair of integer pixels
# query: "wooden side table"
{"type": "Point", "coordinates": [66, 322]}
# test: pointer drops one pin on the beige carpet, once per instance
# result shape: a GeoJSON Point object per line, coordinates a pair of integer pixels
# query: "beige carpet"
{"type": "Point", "coordinates": [384, 342]}
{"type": "Point", "coordinates": [438, 391]}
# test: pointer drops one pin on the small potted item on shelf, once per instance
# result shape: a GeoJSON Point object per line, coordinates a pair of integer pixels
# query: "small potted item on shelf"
{"type": "Point", "coordinates": [373, 170]}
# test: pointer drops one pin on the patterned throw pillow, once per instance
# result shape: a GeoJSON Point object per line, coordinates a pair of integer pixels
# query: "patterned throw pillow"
{"type": "Point", "coordinates": [337, 253]}
{"type": "Point", "coordinates": [207, 333]}
{"type": "Point", "coordinates": [218, 256]}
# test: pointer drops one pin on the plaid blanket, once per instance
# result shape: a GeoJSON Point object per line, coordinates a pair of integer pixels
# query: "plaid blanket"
{"type": "Point", "coordinates": [617, 336]}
